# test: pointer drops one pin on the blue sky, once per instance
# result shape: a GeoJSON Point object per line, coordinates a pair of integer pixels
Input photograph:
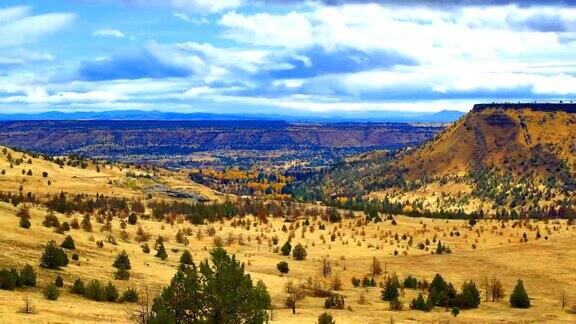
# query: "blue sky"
{"type": "Point", "coordinates": [283, 56]}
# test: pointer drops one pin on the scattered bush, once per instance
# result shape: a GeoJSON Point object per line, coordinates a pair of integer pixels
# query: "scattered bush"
{"type": "Point", "coordinates": [420, 304]}
{"type": "Point", "coordinates": [111, 292]}
{"type": "Point", "coordinates": [396, 304]}
{"type": "Point", "coordinates": [78, 287]}
{"type": "Point", "coordinates": [130, 296]}
{"type": "Point", "coordinates": [132, 219]}
{"type": "Point", "coordinates": [161, 251]}
{"type": "Point", "coordinates": [59, 282]}
{"type": "Point", "coordinates": [95, 291]}
{"type": "Point", "coordinates": [25, 223]}
{"type": "Point", "coordinates": [299, 252]}
{"type": "Point", "coordinates": [410, 282]}
{"type": "Point", "coordinates": [51, 292]}
{"type": "Point", "coordinates": [469, 297]}
{"type": "Point", "coordinates": [326, 318]}
{"type": "Point", "coordinates": [283, 267]}
{"type": "Point", "coordinates": [334, 302]}
{"type": "Point", "coordinates": [50, 220]}
{"type": "Point", "coordinates": [390, 290]}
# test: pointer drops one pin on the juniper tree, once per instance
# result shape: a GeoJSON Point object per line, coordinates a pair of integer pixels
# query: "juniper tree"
{"type": "Point", "coordinates": [286, 248]}
{"type": "Point", "coordinates": [390, 290]}
{"type": "Point", "coordinates": [122, 265]}
{"type": "Point", "coordinates": [28, 276]}
{"type": "Point", "coordinates": [216, 291]}
{"type": "Point", "coordinates": [53, 257]}
{"type": "Point", "coordinates": [78, 287]}
{"type": "Point", "coordinates": [161, 251]}
{"type": "Point", "coordinates": [299, 252]}
{"type": "Point", "coordinates": [51, 292]}
{"type": "Point", "coordinates": [519, 297]}
{"type": "Point", "coordinates": [186, 258]}
{"type": "Point", "coordinates": [68, 243]}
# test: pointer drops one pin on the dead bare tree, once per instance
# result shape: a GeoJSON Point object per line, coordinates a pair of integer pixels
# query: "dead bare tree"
{"type": "Point", "coordinates": [141, 312]}
{"type": "Point", "coordinates": [563, 298]}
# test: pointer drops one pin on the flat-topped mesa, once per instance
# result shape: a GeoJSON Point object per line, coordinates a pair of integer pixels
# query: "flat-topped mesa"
{"type": "Point", "coordinates": [551, 107]}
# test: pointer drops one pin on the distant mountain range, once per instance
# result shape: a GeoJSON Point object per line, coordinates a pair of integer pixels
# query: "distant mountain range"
{"type": "Point", "coordinates": [443, 116]}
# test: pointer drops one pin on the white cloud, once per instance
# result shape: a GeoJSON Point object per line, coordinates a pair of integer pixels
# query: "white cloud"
{"type": "Point", "coordinates": [109, 33]}
{"type": "Point", "coordinates": [17, 27]}
{"type": "Point", "coordinates": [187, 18]}
{"type": "Point", "coordinates": [201, 6]}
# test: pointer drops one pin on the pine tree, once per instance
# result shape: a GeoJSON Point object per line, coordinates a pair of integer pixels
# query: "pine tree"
{"type": "Point", "coordinates": [217, 291]}
{"type": "Point", "coordinates": [161, 252]}
{"type": "Point", "coordinates": [186, 258]}
{"type": "Point", "coordinates": [469, 297]}
{"type": "Point", "coordinates": [78, 287]}
{"type": "Point", "coordinates": [68, 243]}
{"type": "Point", "coordinates": [519, 297]}
{"type": "Point", "coordinates": [53, 257]}
{"type": "Point", "coordinates": [286, 248]}
{"type": "Point", "coordinates": [390, 290]}
{"type": "Point", "coordinates": [28, 276]}
{"type": "Point", "coordinates": [299, 252]}
{"type": "Point", "coordinates": [122, 265]}
{"type": "Point", "coordinates": [111, 292]}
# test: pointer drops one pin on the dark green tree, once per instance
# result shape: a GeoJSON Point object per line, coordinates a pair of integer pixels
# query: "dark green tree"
{"type": "Point", "coordinates": [161, 251]}
{"type": "Point", "coordinates": [282, 266]}
{"type": "Point", "coordinates": [216, 291]}
{"type": "Point", "coordinates": [51, 292]}
{"type": "Point", "coordinates": [186, 258]}
{"type": "Point", "coordinates": [469, 297]}
{"type": "Point", "coordinates": [111, 292]}
{"type": "Point", "coordinates": [122, 265]}
{"type": "Point", "coordinates": [28, 276]}
{"type": "Point", "coordinates": [59, 282]}
{"type": "Point", "coordinates": [390, 290]}
{"type": "Point", "coordinates": [53, 257]}
{"type": "Point", "coordinates": [25, 223]}
{"type": "Point", "coordinates": [326, 318]}
{"type": "Point", "coordinates": [299, 252]}
{"type": "Point", "coordinates": [519, 297]}
{"type": "Point", "coordinates": [78, 287]}
{"type": "Point", "coordinates": [68, 243]}
{"type": "Point", "coordinates": [286, 248]}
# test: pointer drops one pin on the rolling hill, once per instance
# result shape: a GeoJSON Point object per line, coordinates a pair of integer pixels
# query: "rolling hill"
{"type": "Point", "coordinates": [519, 157]}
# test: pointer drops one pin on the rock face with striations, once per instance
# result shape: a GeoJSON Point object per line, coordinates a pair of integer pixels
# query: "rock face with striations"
{"type": "Point", "coordinates": [524, 140]}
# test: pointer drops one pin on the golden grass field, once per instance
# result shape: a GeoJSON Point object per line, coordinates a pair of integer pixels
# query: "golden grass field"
{"type": "Point", "coordinates": [546, 266]}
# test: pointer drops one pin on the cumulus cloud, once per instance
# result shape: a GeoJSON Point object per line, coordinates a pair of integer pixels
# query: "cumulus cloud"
{"type": "Point", "coordinates": [109, 33]}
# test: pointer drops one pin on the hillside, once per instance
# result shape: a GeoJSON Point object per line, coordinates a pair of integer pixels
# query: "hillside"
{"type": "Point", "coordinates": [39, 175]}
{"type": "Point", "coordinates": [515, 156]}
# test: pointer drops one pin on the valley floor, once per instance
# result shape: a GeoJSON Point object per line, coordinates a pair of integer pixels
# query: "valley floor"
{"type": "Point", "coordinates": [547, 266]}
